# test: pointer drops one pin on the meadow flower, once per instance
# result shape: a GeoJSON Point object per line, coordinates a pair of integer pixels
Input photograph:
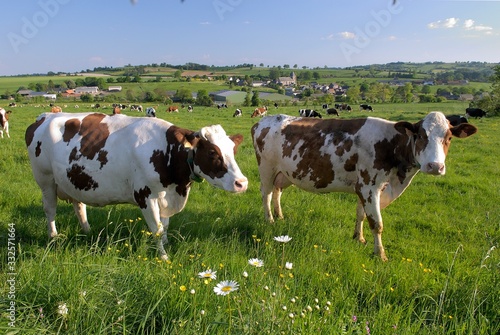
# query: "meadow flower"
{"type": "Point", "coordinates": [192, 291]}
{"type": "Point", "coordinates": [245, 274]}
{"type": "Point", "coordinates": [283, 238]}
{"type": "Point", "coordinates": [183, 288]}
{"type": "Point", "coordinates": [225, 287]}
{"type": "Point", "coordinates": [202, 312]}
{"type": "Point", "coordinates": [208, 274]}
{"type": "Point", "coordinates": [256, 262]}
{"type": "Point", "coordinates": [288, 265]}
{"type": "Point", "coordinates": [62, 309]}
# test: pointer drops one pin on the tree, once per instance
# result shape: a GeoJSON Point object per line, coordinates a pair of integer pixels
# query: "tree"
{"type": "Point", "coordinates": [426, 89]}
{"type": "Point", "coordinates": [178, 74]}
{"type": "Point", "coordinates": [274, 74]}
{"type": "Point", "coordinates": [183, 94]}
{"type": "Point", "coordinates": [203, 99]}
{"type": "Point", "coordinates": [248, 100]}
{"type": "Point", "coordinates": [255, 99]}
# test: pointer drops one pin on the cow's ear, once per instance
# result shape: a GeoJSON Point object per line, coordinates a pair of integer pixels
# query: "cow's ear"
{"type": "Point", "coordinates": [406, 128]}
{"type": "Point", "coordinates": [237, 139]}
{"type": "Point", "coordinates": [463, 130]}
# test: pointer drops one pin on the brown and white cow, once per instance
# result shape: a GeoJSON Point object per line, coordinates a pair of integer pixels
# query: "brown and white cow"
{"type": "Point", "coordinates": [371, 157]}
{"type": "Point", "coordinates": [259, 111]}
{"type": "Point", "coordinates": [172, 109]}
{"type": "Point", "coordinates": [4, 122]}
{"type": "Point", "coordinates": [96, 159]}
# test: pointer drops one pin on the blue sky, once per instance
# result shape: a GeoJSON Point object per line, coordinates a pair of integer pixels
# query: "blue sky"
{"type": "Point", "coordinates": [72, 35]}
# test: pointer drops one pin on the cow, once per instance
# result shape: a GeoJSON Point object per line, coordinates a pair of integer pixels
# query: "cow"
{"type": "Point", "coordinates": [475, 112]}
{"type": "Point", "coordinates": [332, 111]}
{"type": "Point", "coordinates": [4, 122]}
{"type": "Point", "coordinates": [172, 109]}
{"type": "Point", "coordinates": [325, 106]}
{"type": "Point", "coordinates": [116, 110]}
{"type": "Point", "coordinates": [97, 106]}
{"type": "Point", "coordinates": [276, 105]}
{"type": "Point", "coordinates": [309, 113]}
{"type": "Point", "coordinates": [12, 104]}
{"type": "Point", "coordinates": [455, 120]}
{"type": "Point", "coordinates": [96, 159]}
{"type": "Point", "coordinates": [55, 109]}
{"type": "Point", "coordinates": [136, 108]}
{"type": "Point", "coordinates": [190, 108]}
{"type": "Point", "coordinates": [237, 113]}
{"type": "Point", "coordinates": [150, 112]}
{"type": "Point", "coordinates": [371, 157]}
{"type": "Point", "coordinates": [366, 107]}
{"type": "Point", "coordinates": [259, 111]}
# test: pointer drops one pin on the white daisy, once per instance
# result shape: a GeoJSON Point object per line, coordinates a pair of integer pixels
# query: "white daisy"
{"type": "Point", "coordinates": [283, 239]}
{"type": "Point", "coordinates": [256, 262]}
{"type": "Point", "coordinates": [225, 287]}
{"type": "Point", "coordinates": [62, 309]}
{"type": "Point", "coordinates": [208, 274]}
{"type": "Point", "coordinates": [288, 265]}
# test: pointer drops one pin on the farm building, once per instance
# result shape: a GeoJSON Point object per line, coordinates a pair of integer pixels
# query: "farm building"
{"type": "Point", "coordinates": [87, 90]}
{"type": "Point", "coordinates": [228, 96]}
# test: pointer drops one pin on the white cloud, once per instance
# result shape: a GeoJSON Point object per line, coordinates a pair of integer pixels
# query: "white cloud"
{"type": "Point", "coordinates": [96, 59]}
{"type": "Point", "coordinates": [347, 35]}
{"type": "Point", "coordinates": [469, 24]}
{"type": "Point", "coordinates": [447, 23]}
{"type": "Point", "coordinates": [205, 23]}
{"type": "Point", "coordinates": [392, 38]}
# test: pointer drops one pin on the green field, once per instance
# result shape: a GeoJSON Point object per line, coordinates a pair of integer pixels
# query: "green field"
{"type": "Point", "coordinates": [441, 236]}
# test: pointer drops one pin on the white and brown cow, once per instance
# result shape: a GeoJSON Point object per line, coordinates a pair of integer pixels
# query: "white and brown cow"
{"type": "Point", "coordinates": [371, 157]}
{"type": "Point", "coordinates": [4, 122]}
{"type": "Point", "coordinates": [96, 159]}
{"type": "Point", "coordinates": [259, 111]}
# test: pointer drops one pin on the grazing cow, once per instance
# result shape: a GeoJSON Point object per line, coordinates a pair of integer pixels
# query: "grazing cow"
{"type": "Point", "coordinates": [136, 108]}
{"type": "Point", "coordinates": [455, 120]}
{"type": "Point", "coordinates": [259, 111]}
{"type": "Point", "coordinates": [276, 105]}
{"type": "Point", "coordinates": [95, 159]}
{"type": "Point", "coordinates": [151, 112]}
{"type": "Point", "coordinates": [4, 122]}
{"type": "Point", "coordinates": [97, 106]}
{"type": "Point", "coordinates": [12, 104]}
{"type": "Point", "coordinates": [366, 107]}
{"type": "Point", "coordinates": [371, 157]}
{"type": "Point", "coordinates": [237, 113]}
{"type": "Point", "coordinates": [332, 111]}
{"type": "Point", "coordinates": [190, 108]}
{"type": "Point", "coordinates": [325, 106]}
{"type": "Point", "coordinates": [309, 113]}
{"type": "Point", "coordinates": [475, 112]}
{"type": "Point", "coordinates": [343, 107]}
{"type": "Point", "coordinates": [117, 110]}
{"type": "Point", "coordinates": [172, 109]}
{"type": "Point", "coordinates": [56, 109]}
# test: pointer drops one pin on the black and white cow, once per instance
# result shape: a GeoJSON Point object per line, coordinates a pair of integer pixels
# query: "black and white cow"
{"type": "Point", "coordinates": [332, 111]}
{"type": "Point", "coordinates": [96, 159]}
{"type": "Point", "coordinates": [309, 113]}
{"type": "Point", "coordinates": [455, 120]}
{"type": "Point", "coordinates": [151, 112]}
{"type": "Point", "coordinates": [237, 113]}
{"type": "Point", "coordinates": [475, 112]}
{"type": "Point", "coordinates": [4, 122]}
{"type": "Point", "coordinates": [366, 107]}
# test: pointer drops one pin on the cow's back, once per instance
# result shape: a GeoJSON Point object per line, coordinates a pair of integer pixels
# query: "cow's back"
{"type": "Point", "coordinates": [95, 158]}
{"type": "Point", "coordinates": [318, 155]}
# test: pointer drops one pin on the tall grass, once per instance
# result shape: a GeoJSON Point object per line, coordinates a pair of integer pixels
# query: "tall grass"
{"type": "Point", "coordinates": [441, 237]}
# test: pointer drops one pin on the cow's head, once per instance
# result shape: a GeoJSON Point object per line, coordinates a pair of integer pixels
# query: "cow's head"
{"type": "Point", "coordinates": [432, 139]}
{"type": "Point", "coordinates": [213, 158]}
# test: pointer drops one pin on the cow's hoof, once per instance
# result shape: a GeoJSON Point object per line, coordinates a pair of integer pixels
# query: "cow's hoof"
{"type": "Point", "coordinates": [164, 258]}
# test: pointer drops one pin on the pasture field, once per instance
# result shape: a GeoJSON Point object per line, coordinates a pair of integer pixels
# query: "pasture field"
{"type": "Point", "coordinates": [441, 236]}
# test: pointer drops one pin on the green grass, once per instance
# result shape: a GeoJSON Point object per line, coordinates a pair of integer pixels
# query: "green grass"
{"type": "Point", "coordinates": [441, 237]}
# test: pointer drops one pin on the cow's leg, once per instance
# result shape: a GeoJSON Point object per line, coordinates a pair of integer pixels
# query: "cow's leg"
{"type": "Point", "coordinates": [280, 183]}
{"type": "Point", "coordinates": [358, 228]}
{"type": "Point", "coordinates": [266, 191]}
{"type": "Point", "coordinates": [156, 225]}
{"type": "Point", "coordinates": [370, 198]}
{"type": "Point", "coordinates": [49, 200]}
{"type": "Point", "coordinates": [81, 213]}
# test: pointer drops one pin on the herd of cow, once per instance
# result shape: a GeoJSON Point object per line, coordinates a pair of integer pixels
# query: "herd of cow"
{"type": "Point", "coordinates": [98, 159]}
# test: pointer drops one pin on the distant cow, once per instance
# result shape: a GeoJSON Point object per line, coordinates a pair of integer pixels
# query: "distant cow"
{"type": "Point", "coordinates": [55, 109]}
{"type": "Point", "coordinates": [190, 108]}
{"type": "Point", "coordinates": [117, 110]}
{"type": "Point", "coordinates": [237, 113]}
{"type": "Point", "coordinates": [172, 109]}
{"type": "Point", "coordinates": [309, 113]}
{"type": "Point", "coordinates": [475, 112]}
{"type": "Point", "coordinates": [97, 106]}
{"type": "Point", "coordinates": [325, 106]}
{"type": "Point", "coordinates": [332, 111]}
{"type": "Point", "coordinates": [366, 107]}
{"type": "Point", "coordinates": [343, 107]}
{"type": "Point", "coordinates": [371, 157]}
{"type": "Point", "coordinates": [455, 120]}
{"type": "Point", "coordinates": [95, 159]}
{"type": "Point", "coordinates": [151, 112]}
{"type": "Point", "coordinates": [276, 105]}
{"type": "Point", "coordinates": [136, 108]}
{"type": "Point", "coordinates": [4, 122]}
{"type": "Point", "coordinates": [12, 104]}
{"type": "Point", "coordinates": [259, 111]}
